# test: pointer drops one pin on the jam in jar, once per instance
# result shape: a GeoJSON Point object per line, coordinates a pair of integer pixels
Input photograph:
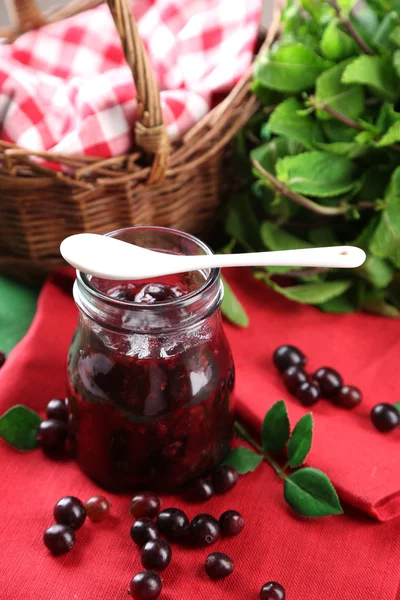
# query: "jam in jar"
{"type": "Point", "coordinates": [150, 373]}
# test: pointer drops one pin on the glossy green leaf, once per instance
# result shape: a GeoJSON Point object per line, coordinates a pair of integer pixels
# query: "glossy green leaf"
{"type": "Point", "coordinates": [377, 271]}
{"type": "Point", "coordinates": [275, 429]}
{"type": "Point", "coordinates": [346, 99]}
{"type": "Point", "coordinates": [397, 405]}
{"type": "Point", "coordinates": [243, 460]}
{"type": "Point", "coordinates": [318, 174]}
{"type": "Point", "coordinates": [232, 309]}
{"type": "Point", "coordinates": [300, 441]}
{"type": "Point", "coordinates": [286, 120]}
{"type": "Point", "coordinates": [385, 242]}
{"type": "Point", "coordinates": [290, 68]}
{"type": "Point", "coordinates": [268, 154]}
{"type": "Point", "coordinates": [275, 238]}
{"type": "Point", "coordinates": [311, 494]}
{"type": "Point", "coordinates": [376, 72]}
{"type": "Point", "coordinates": [18, 427]}
{"type": "Point", "coordinates": [313, 293]}
{"type": "Point", "coordinates": [337, 45]}
{"type": "Point", "coordinates": [391, 136]}
{"type": "Point", "coordinates": [339, 305]}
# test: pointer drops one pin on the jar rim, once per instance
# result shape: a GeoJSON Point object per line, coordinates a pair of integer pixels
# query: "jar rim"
{"type": "Point", "coordinates": [181, 301]}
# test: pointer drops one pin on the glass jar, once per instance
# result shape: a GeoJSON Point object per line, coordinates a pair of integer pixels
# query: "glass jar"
{"type": "Point", "coordinates": [150, 377]}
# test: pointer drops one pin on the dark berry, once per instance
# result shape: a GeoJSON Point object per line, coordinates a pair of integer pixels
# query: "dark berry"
{"type": "Point", "coordinates": [385, 417]}
{"type": "Point", "coordinates": [199, 490]}
{"type": "Point", "coordinates": [97, 508]}
{"type": "Point", "coordinates": [272, 591]}
{"type": "Point", "coordinates": [57, 409]}
{"type": "Point", "coordinates": [224, 479]}
{"type": "Point", "coordinates": [348, 396]}
{"type": "Point", "coordinates": [293, 377]}
{"type": "Point", "coordinates": [145, 586]}
{"type": "Point", "coordinates": [3, 359]}
{"type": "Point", "coordinates": [156, 555]}
{"type": "Point", "coordinates": [218, 565]}
{"type": "Point", "coordinates": [59, 538]}
{"type": "Point", "coordinates": [204, 530]}
{"type": "Point", "coordinates": [52, 434]}
{"type": "Point", "coordinates": [70, 511]}
{"type": "Point", "coordinates": [308, 393]}
{"type": "Point", "coordinates": [173, 523]}
{"type": "Point", "coordinates": [231, 523]}
{"type": "Point", "coordinates": [329, 381]}
{"type": "Point", "coordinates": [145, 504]}
{"type": "Point", "coordinates": [288, 356]}
{"type": "Point", "coordinates": [143, 531]}
{"type": "Point", "coordinates": [156, 292]}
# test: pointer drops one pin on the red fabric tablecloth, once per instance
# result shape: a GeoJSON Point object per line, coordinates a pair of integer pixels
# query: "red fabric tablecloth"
{"type": "Point", "coordinates": [351, 557]}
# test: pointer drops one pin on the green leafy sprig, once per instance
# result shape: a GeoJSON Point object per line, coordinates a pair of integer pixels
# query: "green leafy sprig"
{"type": "Point", "coordinates": [319, 163]}
{"type": "Point", "coordinates": [308, 491]}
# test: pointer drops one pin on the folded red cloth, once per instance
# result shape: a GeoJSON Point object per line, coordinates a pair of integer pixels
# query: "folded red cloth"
{"type": "Point", "coordinates": [350, 557]}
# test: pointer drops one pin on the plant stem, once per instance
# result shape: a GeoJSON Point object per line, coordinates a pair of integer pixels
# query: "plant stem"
{"type": "Point", "coordinates": [345, 120]}
{"type": "Point", "coordinates": [244, 434]}
{"type": "Point", "coordinates": [351, 30]}
{"type": "Point", "coordinates": [302, 200]}
{"type": "Point", "coordinates": [335, 114]}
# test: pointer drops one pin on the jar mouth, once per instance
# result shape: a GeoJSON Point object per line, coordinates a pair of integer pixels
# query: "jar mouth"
{"type": "Point", "coordinates": [211, 276]}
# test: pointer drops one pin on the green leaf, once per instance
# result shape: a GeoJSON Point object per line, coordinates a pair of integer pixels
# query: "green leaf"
{"type": "Point", "coordinates": [267, 154]}
{"type": "Point", "coordinates": [323, 236]}
{"type": "Point", "coordinates": [336, 44]}
{"type": "Point", "coordinates": [300, 441]}
{"type": "Point", "coordinates": [317, 174]}
{"type": "Point", "coordinates": [397, 405]}
{"type": "Point", "coordinates": [242, 223]}
{"type": "Point", "coordinates": [291, 68]}
{"type": "Point", "coordinates": [313, 293]}
{"type": "Point", "coordinates": [286, 120]}
{"type": "Point", "coordinates": [396, 61]}
{"type": "Point", "coordinates": [18, 427]}
{"type": "Point", "coordinates": [395, 36]}
{"type": "Point", "coordinates": [347, 99]}
{"type": "Point", "coordinates": [338, 132]}
{"type": "Point", "coordinates": [387, 117]}
{"type": "Point", "coordinates": [339, 305]}
{"type": "Point", "coordinates": [391, 136]}
{"type": "Point", "coordinates": [275, 430]}
{"type": "Point", "coordinates": [243, 460]}
{"type": "Point", "coordinates": [275, 238]}
{"type": "Point", "coordinates": [377, 271]}
{"type": "Point", "coordinates": [376, 72]}
{"type": "Point", "coordinates": [382, 37]}
{"type": "Point", "coordinates": [266, 96]}
{"type": "Point", "coordinates": [380, 307]}
{"type": "Point", "coordinates": [348, 149]}
{"type": "Point", "coordinates": [365, 21]}
{"type": "Point", "coordinates": [385, 242]}
{"type": "Point", "coordinates": [311, 494]}
{"type": "Point", "coordinates": [231, 307]}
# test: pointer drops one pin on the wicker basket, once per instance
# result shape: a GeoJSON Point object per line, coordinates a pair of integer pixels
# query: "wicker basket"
{"type": "Point", "coordinates": [174, 184]}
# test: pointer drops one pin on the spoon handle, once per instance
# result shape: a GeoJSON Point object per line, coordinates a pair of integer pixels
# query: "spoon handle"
{"type": "Point", "coordinates": [336, 256]}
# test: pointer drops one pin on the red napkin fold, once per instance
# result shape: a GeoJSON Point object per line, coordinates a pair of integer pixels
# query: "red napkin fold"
{"type": "Point", "coordinates": [350, 557]}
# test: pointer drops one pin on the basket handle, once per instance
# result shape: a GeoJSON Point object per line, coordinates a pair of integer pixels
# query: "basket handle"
{"type": "Point", "coordinates": [24, 15]}
{"type": "Point", "coordinates": [150, 131]}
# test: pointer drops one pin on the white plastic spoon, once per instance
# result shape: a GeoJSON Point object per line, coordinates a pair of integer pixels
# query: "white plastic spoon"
{"type": "Point", "coordinates": [109, 258]}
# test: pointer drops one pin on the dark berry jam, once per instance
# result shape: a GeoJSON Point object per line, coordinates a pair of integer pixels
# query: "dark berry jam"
{"type": "Point", "coordinates": [149, 410]}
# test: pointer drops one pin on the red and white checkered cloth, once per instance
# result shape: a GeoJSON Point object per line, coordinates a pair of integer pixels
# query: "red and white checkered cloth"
{"type": "Point", "coordinates": [67, 87]}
